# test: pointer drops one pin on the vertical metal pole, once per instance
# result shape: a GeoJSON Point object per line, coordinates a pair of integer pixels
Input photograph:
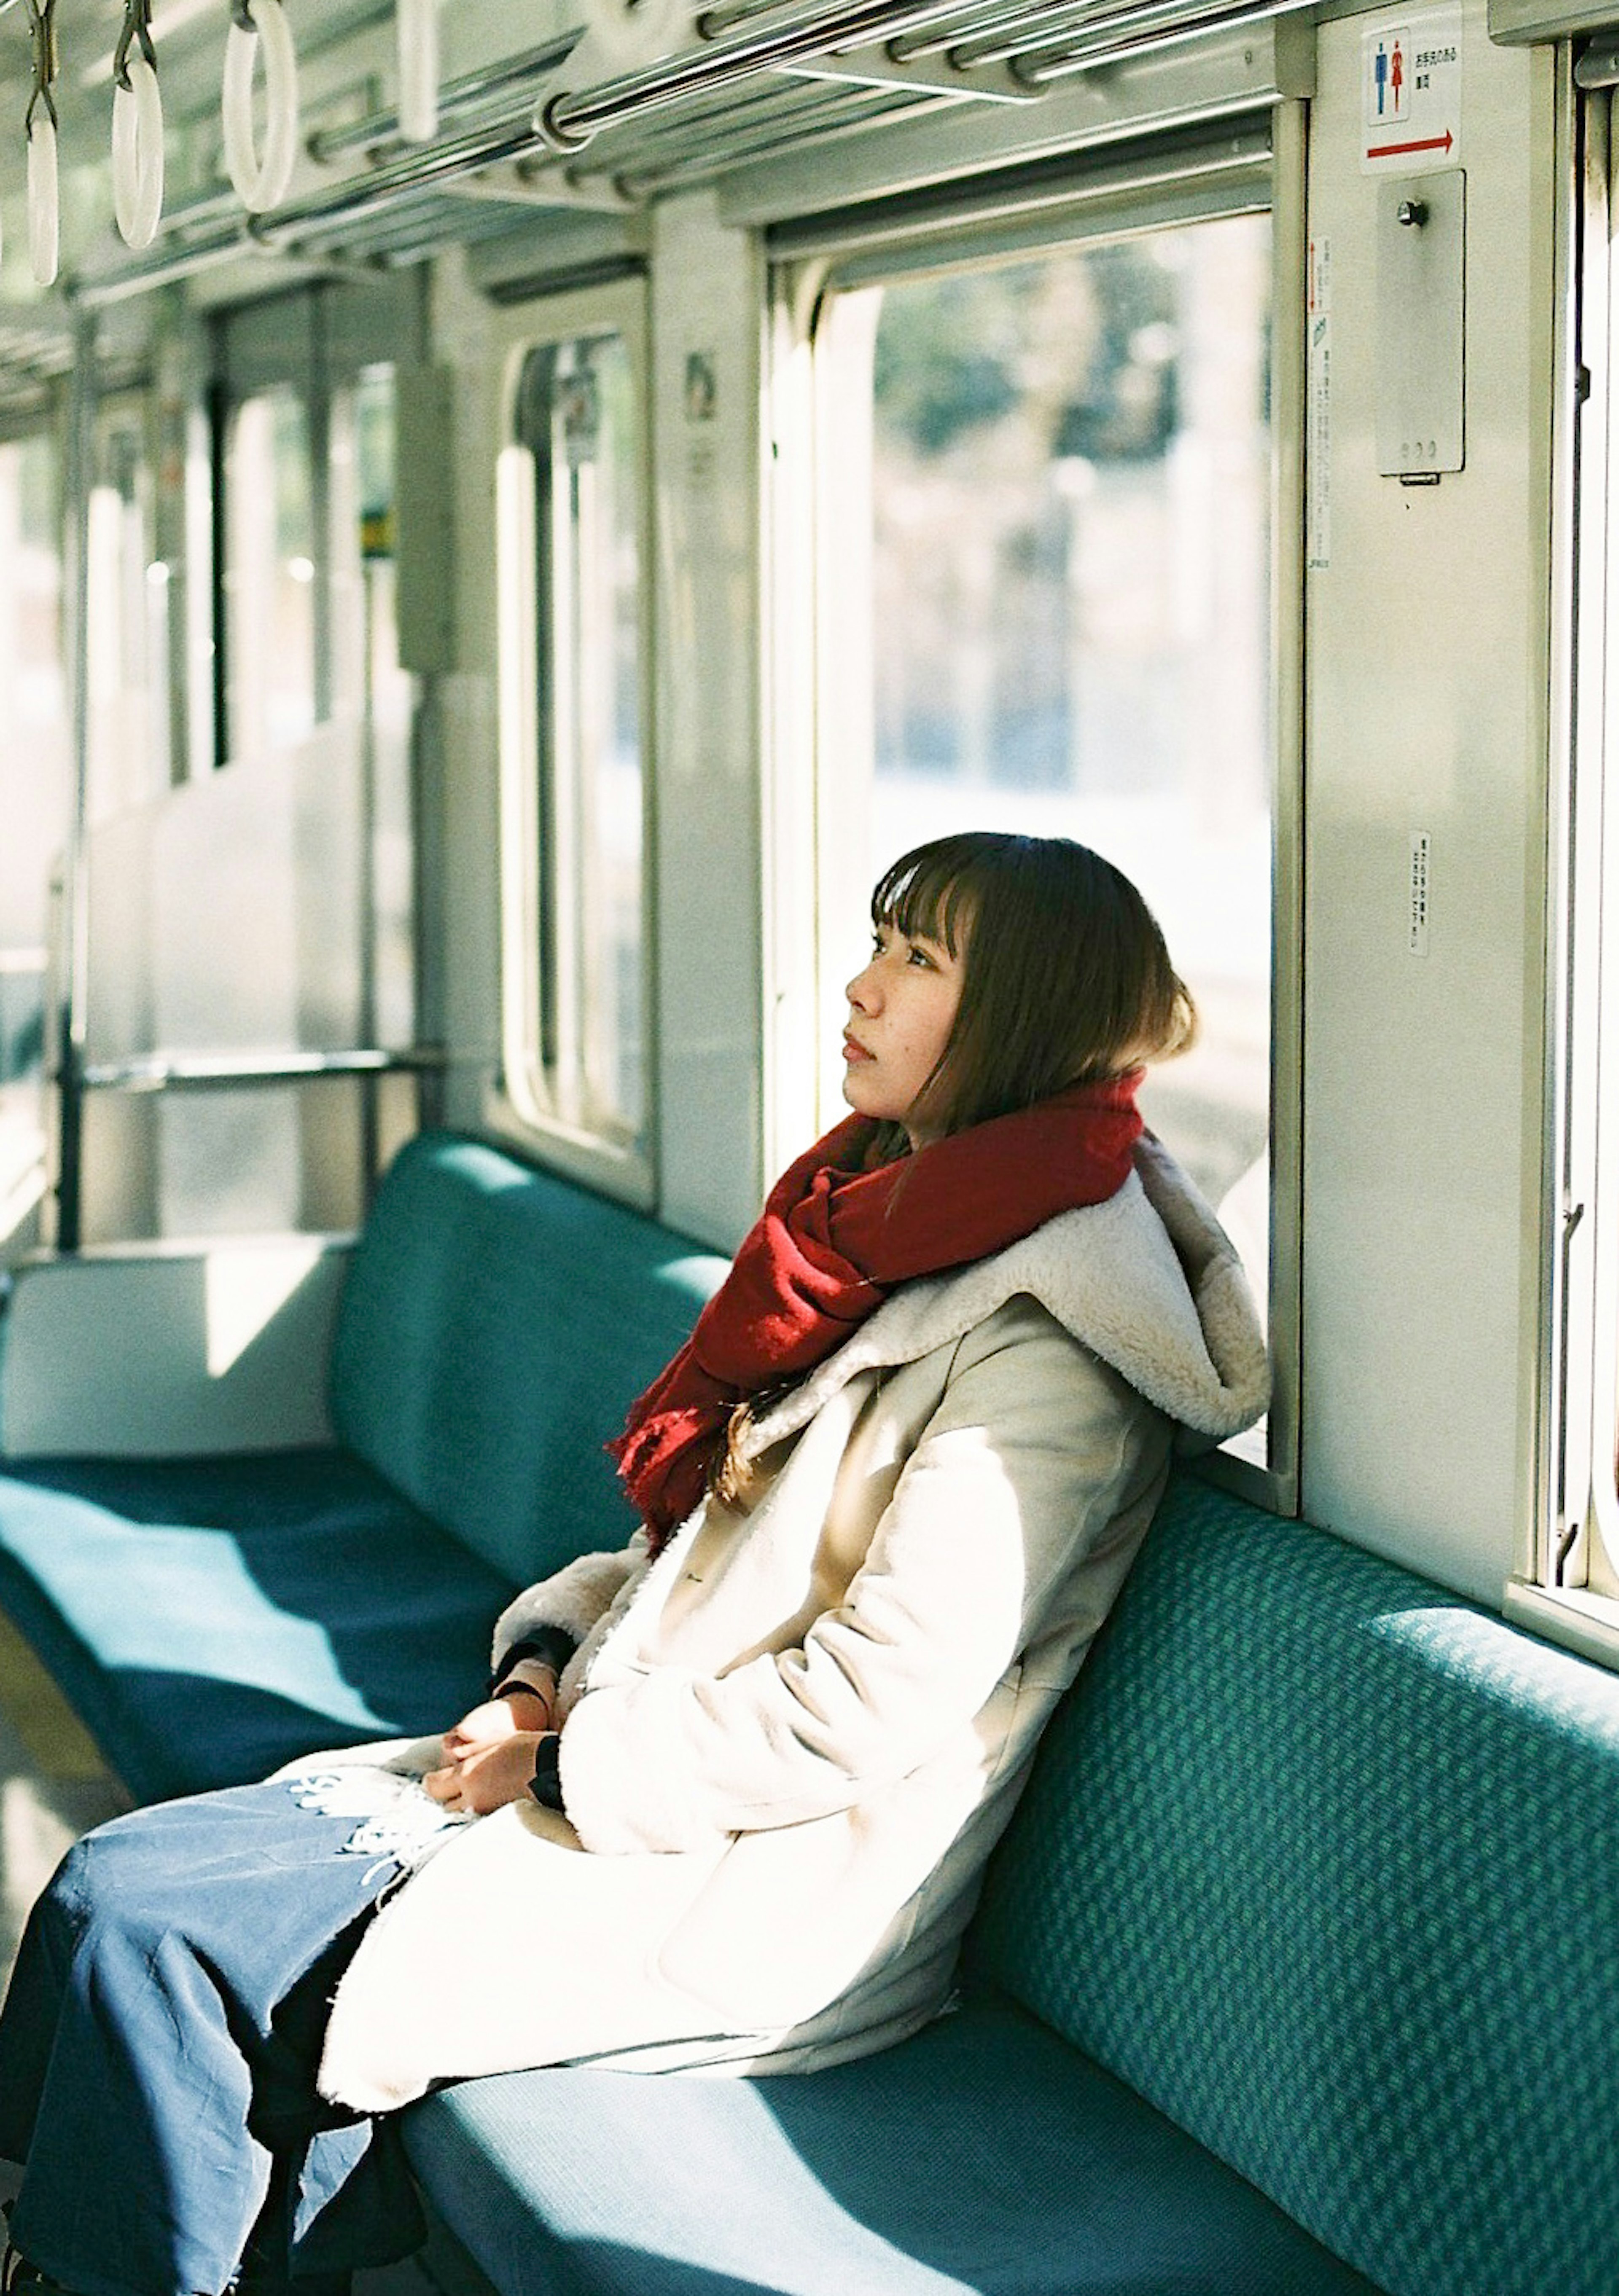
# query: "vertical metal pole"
{"type": "Point", "coordinates": [370, 1130]}
{"type": "Point", "coordinates": [73, 1017]}
{"type": "Point", "coordinates": [317, 401]}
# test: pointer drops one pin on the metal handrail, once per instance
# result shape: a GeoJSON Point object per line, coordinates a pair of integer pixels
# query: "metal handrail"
{"type": "Point", "coordinates": [1160, 23]}
{"type": "Point", "coordinates": [190, 1072]}
{"type": "Point", "coordinates": [569, 121]}
{"type": "Point", "coordinates": [455, 98]}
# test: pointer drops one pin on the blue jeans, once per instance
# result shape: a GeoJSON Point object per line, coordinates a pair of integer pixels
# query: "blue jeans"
{"type": "Point", "coordinates": [157, 2049]}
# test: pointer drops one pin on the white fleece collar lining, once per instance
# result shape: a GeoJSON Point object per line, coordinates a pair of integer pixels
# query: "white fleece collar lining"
{"type": "Point", "coordinates": [1147, 1281]}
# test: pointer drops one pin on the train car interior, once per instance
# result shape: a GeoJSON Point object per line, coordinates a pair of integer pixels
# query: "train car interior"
{"type": "Point", "coordinates": [512, 514]}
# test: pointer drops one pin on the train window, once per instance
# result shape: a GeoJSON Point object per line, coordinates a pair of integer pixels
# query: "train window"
{"type": "Point", "coordinates": [370, 688]}
{"type": "Point", "coordinates": [128, 625]}
{"type": "Point", "coordinates": [574, 720]}
{"type": "Point", "coordinates": [1050, 510]}
{"type": "Point", "coordinates": [35, 773]}
{"type": "Point", "coordinates": [1567, 1582]}
{"type": "Point", "coordinates": [269, 573]}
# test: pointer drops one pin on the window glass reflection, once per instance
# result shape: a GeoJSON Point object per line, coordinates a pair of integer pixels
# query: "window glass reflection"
{"type": "Point", "coordinates": [577, 415]}
{"type": "Point", "coordinates": [270, 574]}
{"type": "Point", "coordinates": [1071, 529]}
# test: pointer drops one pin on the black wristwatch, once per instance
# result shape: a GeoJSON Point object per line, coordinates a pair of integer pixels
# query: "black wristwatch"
{"type": "Point", "coordinates": [546, 1785]}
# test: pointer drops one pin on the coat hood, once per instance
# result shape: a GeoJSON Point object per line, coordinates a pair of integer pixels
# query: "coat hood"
{"type": "Point", "coordinates": [1148, 1281]}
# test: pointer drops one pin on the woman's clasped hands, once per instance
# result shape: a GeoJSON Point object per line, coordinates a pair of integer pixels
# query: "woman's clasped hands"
{"type": "Point", "coordinates": [489, 1756]}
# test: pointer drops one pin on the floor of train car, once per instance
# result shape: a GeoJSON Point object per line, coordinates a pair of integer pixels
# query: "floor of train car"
{"type": "Point", "coordinates": [54, 1787]}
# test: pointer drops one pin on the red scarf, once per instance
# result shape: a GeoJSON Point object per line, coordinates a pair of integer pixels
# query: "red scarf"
{"type": "Point", "coordinates": [832, 1241]}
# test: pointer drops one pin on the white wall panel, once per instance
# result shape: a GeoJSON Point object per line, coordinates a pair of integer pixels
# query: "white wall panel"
{"type": "Point", "coordinates": [1427, 675]}
{"type": "Point", "coordinates": [707, 325]}
{"type": "Point", "coordinates": [460, 779]}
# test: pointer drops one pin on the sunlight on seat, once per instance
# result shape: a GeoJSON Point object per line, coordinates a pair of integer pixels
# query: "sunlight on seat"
{"type": "Point", "coordinates": [805, 2239]}
{"type": "Point", "coordinates": [202, 1614]}
{"type": "Point", "coordinates": [245, 1284]}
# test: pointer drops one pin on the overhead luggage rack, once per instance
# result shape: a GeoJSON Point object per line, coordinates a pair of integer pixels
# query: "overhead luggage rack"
{"type": "Point", "coordinates": [750, 84]}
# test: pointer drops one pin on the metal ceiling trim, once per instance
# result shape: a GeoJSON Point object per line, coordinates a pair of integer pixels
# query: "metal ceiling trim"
{"type": "Point", "coordinates": [1223, 79]}
{"type": "Point", "coordinates": [1162, 23]}
{"type": "Point", "coordinates": [1043, 194]}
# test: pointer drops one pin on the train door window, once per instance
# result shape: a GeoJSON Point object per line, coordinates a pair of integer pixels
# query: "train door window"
{"type": "Point", "coordinates": [574, 721]}
{"type": "Point", "coordinates": [371, 688]}
{"type": "Point", "coordinates": [269, 573]}
{"type": "Point", "coordinates": [35, 774]}
{"type": "Point", "coordinates": [129, 633]}
{"type": "Point", "coordinates": [1044, 605]}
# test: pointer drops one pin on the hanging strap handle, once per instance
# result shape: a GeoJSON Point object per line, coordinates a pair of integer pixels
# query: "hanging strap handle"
{"type": "Point", "coordinates": [39, 128]}
{"type": "Point", "coordinates": [261, 27]}
{"type": "Point", "coordinates": [44, 204]}
{"type": "Point", "coordinates": [138, 129]}
{"type": "Point", "coordinates": [416, 24]}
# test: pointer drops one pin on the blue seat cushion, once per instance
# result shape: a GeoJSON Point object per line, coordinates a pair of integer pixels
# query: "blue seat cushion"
{"type": "Point", "coordinates": [984, 2155]}
{"type": "Point", "coordinates": [497, 1324]}
{"type": "Point", "coordinates": [1294, 1858]}
{"type": "Point", "coordinates": [210, 1618]}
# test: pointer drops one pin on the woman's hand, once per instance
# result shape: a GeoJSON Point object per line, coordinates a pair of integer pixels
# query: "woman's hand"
{"type": "Point", "coordinates": [485, 1775]}
{"type": "Point", "coordinates": [521, 1707]}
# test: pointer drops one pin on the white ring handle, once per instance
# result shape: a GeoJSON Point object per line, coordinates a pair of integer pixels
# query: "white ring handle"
{"type": "Point", "coordinates": [261, 183]}
{"type": "Point", "coordinates": [45, 207]}
{"type": "Point", "coordinates": [137, 154]}
{"type": "Point", "coordinates": [417, 27]}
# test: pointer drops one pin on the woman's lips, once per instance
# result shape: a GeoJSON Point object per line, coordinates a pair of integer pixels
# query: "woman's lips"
{"type": "Point", "coordinates": [853, 1051]}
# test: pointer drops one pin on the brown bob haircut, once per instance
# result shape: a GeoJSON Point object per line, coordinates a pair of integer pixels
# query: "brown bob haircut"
{"type": "Point", "coordinates": [1067, 979]}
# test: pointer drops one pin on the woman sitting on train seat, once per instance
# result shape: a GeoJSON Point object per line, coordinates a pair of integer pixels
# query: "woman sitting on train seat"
{"type": "Point", "coordinates": [730, 1799]}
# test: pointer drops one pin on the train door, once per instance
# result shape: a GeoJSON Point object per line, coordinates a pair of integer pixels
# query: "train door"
{"type": "Point", "coordinates": [1046, 601]}
{"type": "Point", "coordinates": [37, 779]}
{"type": "Point", "coordinates": [248, 1007]}
{"type": "Point", "coordinates": [572, 498]}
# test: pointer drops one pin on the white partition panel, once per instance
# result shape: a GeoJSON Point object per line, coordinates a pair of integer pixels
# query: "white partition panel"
{"type": "Point", "coordinates": [231, 916]}
{"type": "Point", "coordinates": [1428, 648]}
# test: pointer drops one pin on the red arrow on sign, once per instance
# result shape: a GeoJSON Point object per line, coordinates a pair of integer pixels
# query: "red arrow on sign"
{"type": "Point", "coordinates": [1391, 151]}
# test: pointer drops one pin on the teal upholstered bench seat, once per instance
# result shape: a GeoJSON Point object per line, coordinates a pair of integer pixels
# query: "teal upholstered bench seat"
{"type": "Point", "coordinates": [210, 1618]}
{"type": "Point", "coordinates": [1293, 1977]}
{"type": "Point", "coordinates": [986, 2157]}
{"type": "Point", "coordinates": [1300, 1948]}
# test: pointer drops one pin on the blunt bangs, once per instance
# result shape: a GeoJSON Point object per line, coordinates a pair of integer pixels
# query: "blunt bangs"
{"type": "Point", "coordinates": [928, 894]}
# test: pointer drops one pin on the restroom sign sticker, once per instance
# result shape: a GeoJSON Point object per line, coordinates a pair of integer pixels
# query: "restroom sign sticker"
{"type": "Point", "coordinates": [1410, 94]}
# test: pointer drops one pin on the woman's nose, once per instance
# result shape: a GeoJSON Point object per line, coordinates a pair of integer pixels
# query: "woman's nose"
{"type": "Point", "coordinates": [862, 990]}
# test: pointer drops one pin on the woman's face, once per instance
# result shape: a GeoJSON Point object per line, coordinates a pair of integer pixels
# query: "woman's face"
{"type": "Point", "coordinates": [901, 1010]}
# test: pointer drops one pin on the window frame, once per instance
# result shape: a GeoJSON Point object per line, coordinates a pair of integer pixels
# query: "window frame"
{"type": "Point", "coordinates": [518, 1106]}
{"type": "Point", "coordinates": [809, 874]}
{"type": "Point", "coordinates": [1573, 1522]}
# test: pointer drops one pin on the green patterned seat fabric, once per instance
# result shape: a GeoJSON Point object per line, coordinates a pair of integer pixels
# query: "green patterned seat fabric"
{"type": "Point", "coordinates": [1325, 1863]}
{"type": "Point", "coordinates": [496, 1326]}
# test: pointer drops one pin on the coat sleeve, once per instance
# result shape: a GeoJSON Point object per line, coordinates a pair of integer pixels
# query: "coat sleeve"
{"type": "Point", "coordinates": [999, 1514]}
{"type": "Point", "coordinates": [575, 1598]}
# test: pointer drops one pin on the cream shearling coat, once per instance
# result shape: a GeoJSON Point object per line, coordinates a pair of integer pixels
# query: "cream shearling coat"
{"type": "Point", "coordinates": [791, 1741]}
